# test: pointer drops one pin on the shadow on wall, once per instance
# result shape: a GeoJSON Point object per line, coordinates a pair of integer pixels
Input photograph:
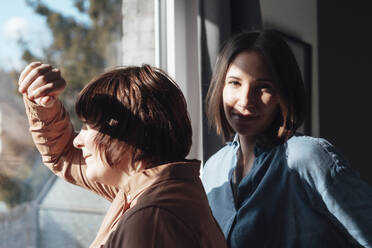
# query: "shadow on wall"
{"type": "Point", "coordinates": [217, 25]}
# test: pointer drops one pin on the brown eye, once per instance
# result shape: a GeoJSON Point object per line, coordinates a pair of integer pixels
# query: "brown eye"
{"type": "Point", "coordinates": [234, 83]}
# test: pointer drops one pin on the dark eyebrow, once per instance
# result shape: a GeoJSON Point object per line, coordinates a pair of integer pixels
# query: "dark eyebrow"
{"type": "Point", "coordinates": [233, 77]}
{"type": "Point", "coordinates": [257, 80]}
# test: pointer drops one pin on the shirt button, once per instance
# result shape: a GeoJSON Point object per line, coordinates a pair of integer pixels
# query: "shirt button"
{"type": "Point", "coordinates": [129, 197]}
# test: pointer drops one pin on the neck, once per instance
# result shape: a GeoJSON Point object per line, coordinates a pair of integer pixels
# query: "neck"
{"type": "Point", "coordinates": [120, 174]}
{"type": "Point", "coordinates": [247, 145]}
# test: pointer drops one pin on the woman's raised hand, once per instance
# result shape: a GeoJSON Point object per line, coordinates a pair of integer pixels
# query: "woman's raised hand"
{"type": "Point", "coordinates": [41, 83]}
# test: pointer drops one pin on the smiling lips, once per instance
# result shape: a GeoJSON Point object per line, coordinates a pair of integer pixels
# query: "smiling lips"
{"type": "Point", "coordinates": [245, 118]}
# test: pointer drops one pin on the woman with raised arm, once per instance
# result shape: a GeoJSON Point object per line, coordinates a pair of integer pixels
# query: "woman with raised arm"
{"type": "Point", "coordinates": [269, 187]}
{"type": "Point", "coordinates": [131, 150]}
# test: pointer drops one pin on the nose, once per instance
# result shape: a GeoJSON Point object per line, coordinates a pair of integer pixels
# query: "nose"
{"type": "Point", "coordinates": [247, 97]}
{"type": "Point", "coordinates": [77, 142]}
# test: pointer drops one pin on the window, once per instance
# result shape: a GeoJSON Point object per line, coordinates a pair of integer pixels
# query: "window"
{"type": "Point", "coordinates": [82, 38]}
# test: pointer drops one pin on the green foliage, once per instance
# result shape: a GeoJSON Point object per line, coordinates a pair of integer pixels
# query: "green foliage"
{"type": "Point", "coordinates": [79, 49]}
{"type": "Point", "coordinates": [10, 191]}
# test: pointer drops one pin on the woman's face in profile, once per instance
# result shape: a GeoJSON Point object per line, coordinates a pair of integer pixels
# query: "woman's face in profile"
{"type": "Point", "coordinates": [96, 170]}
{"type": "Point", "coordinates": [249, 95]}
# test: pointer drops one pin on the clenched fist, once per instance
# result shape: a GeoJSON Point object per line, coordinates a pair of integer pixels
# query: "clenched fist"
{"type": "Point", "coordinates": [41, 83]}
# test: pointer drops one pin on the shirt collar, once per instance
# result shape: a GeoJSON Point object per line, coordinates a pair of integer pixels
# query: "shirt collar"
{"type": "Point", "coordinates": [137, 183]}
{"type": "Point", "coordinates": [235, 143]}
{"type": "Point", "coordinates": [258, 149]}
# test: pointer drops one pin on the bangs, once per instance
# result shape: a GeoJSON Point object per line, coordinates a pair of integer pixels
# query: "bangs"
{"type": "Point", "coordinates": [97, 104]}
{"type": "Point", "coordinates": [86, 108]}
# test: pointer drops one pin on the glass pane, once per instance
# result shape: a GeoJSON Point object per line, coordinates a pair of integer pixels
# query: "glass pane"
{"type": "Point", "coordinates": [82, 38]}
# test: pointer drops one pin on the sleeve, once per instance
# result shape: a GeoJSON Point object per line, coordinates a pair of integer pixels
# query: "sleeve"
{"type": "Point", "coordinates": [53, 134]}
{"type": "Point", "coordinates": [339, 191]}
{"type": "Point", "coordinates": [152, 227]}
{"type": "Point", "coordinates": [349, 200]}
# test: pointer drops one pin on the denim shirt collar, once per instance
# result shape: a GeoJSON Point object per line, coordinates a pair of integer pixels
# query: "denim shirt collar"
{"type": "Point", "coordinates": [235, 142]}
{"type": "Point", "coordinates": [258, 150]}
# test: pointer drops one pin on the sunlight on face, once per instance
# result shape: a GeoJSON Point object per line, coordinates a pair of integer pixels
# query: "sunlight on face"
{"type": "Point", "coordinates": [96, 170]}
{"type": "Point", "coordinates": [249, 95]}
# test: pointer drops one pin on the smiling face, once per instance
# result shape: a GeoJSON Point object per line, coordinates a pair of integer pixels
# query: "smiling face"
{"type": "Point", "coordinates": [250, 98]}
{"type": "Point", "coordinates": [96, 170]}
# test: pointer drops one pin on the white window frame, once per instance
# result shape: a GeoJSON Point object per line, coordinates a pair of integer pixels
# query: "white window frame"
{"type": "Point", "coordinates": [177, 52]}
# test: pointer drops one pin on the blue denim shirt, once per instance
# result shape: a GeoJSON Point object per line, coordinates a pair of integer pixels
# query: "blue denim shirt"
{"type": "Point", "coordinates": [299, 194]}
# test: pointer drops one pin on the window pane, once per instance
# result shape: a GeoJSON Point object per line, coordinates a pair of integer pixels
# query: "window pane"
{"type": "Point", "coordinates": [82, 38]}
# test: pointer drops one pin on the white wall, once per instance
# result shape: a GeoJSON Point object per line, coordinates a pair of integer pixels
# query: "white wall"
{"type": "Point", "coordinates": [297, 18]}
{"type": "Point", "coordinates": [138, 41]}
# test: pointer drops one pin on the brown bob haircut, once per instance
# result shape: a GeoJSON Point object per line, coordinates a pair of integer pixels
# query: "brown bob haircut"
{"type": "Point", "coordinates": [288, 79]}
{"type": "Point", "coordinates": [137, 109]}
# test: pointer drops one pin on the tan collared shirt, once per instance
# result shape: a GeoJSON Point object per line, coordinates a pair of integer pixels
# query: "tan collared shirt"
{"type": "Point", "coordinates": [164, 206]}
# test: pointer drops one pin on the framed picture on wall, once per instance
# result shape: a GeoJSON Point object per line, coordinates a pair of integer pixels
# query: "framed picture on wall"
{"type": "Point", "coordinates": [303, 52]}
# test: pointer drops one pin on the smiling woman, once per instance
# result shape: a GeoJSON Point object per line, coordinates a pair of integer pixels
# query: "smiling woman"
{"type": "Point", "coordinates": [269, 186]}
{"type": "Point", "coordinates": [131, 151]}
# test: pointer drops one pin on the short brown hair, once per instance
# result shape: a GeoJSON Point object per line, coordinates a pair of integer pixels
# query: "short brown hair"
{"type": "Point", "coordinates": [281, 60]}
{"type": "Point", "coordinates": [140, 109]}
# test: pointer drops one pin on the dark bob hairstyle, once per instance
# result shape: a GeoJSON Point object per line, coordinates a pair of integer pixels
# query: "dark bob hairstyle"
{"type": "Point", "coordinates": [291, 90]}
{"type": "Point", "coordinates": [137, 109]}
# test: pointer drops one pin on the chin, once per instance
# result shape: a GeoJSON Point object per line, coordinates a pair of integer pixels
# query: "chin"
{"type": "Point", "coordinates": [244, 130]}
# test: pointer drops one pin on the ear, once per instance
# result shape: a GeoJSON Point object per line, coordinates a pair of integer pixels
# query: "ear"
{"type": "Point", "coordinates": [282, 117]}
